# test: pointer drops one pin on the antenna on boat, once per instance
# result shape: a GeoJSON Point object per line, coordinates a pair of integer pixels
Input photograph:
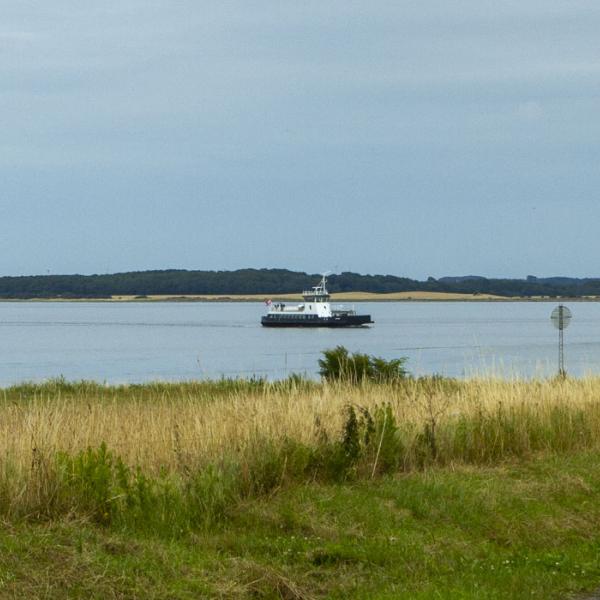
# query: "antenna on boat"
{"type": "Point", "coordinates": [324, 277]}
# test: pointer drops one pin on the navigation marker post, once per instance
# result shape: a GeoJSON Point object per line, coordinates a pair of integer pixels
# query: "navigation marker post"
{"type": "Point", "coordinates": [561, 317]}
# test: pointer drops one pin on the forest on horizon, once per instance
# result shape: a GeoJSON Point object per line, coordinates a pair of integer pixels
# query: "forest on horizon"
{"type": "Point", "coordinates": [277, 281]}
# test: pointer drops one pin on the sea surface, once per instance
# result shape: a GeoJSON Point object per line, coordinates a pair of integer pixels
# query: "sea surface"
{"type": "Point", "coordinates": [138, 342]}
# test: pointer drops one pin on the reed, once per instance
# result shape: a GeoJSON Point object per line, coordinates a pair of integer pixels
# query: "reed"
{"type": "Point", "coordinates": [98, 449]}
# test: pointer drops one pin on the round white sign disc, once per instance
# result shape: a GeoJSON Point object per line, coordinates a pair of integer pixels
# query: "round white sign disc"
{"type": "Point", "coordinates": [561, 317]}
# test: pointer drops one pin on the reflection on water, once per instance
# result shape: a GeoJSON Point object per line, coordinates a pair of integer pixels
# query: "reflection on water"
{"type": "Point", "coordinates": [137, 342]}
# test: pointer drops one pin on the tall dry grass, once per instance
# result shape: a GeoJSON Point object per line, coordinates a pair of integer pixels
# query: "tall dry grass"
{"type": "Point", "coordinates": [176, 426]}
{"type": "Point", "coordinates": [182, 429]}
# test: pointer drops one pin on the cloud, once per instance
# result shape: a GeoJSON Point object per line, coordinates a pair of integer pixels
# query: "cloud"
{"type": "Point", "coordinates": [530, 110]}
{"type": "Point", "coordinates": [386, 104]}
{"type": "Point", "coordinates": [17, 35]}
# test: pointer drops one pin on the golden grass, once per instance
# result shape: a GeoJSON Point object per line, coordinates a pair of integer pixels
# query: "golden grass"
{"type": "Point", "coordinates": [337, 297]}
{"type": "Point", "coordinates": [185, 428]}
{"type": "Point", "coordinates": [372, 297]}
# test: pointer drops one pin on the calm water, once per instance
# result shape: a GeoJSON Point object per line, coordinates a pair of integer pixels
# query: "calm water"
{"type": "Point", "coordinates": [172, 341]}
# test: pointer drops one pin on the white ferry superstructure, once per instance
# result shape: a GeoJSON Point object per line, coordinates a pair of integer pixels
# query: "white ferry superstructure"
{"type": "Point", "coordinates": [315, 311]}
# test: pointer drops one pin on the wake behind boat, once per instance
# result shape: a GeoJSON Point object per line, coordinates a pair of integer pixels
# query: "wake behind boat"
{"type": "Point", "coordinates": [315, 311]}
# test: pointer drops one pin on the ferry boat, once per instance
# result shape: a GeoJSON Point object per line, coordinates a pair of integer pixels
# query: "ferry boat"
{"type": "Point", "coordinates": [315, 311]}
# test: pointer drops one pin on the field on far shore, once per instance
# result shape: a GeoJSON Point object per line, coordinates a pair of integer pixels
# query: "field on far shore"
{"type": "Point", "coordinates": [347, 297]}
{"type": "Point", "coordinates": [337, 297]}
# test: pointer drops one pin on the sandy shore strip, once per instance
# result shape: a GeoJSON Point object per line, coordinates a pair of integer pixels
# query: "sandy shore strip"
{"type": "Point", "coordinates": [350, 297]}
{"type": "Point", "coordinates": [336, 298]}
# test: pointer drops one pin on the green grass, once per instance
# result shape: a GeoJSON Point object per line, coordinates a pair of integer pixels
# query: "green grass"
{"type": "Point", "coordinates": [528, 529]}
{"type": "Point", "coordinates": [200, 389]}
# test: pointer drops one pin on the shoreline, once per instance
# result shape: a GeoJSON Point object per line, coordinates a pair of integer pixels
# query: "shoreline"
{"type": "Point", "coordinates": [336, 298]}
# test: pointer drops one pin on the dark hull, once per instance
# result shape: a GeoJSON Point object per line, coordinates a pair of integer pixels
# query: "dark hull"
{"type": "Point", "coordinates": [336, 321]}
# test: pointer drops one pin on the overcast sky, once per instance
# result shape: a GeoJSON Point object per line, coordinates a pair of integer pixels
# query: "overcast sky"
{"type": "Point", "coordinates": [413, 138]}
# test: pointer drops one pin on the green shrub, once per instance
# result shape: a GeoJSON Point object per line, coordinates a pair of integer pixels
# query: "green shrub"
{"type": "Point", "coordinates": [386, 441]}
{"type": "Point", "coordinates": [88, 481]}
{"type": "Point", "coordinates": [338, 364]}
{"type": "Point", "coordinates": [98, 485]}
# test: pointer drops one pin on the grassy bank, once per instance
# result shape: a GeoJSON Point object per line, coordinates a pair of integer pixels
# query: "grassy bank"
{"type": "Point", "coordinates": [522, 530]}
{"type": "Point", "coordinates": [425, 488]}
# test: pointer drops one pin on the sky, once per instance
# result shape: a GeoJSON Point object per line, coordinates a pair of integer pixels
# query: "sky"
{"type": "Point", "coordinates": [415, 138]}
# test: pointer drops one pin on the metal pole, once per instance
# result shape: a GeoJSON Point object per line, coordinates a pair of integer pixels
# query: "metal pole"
{"type": "Point", "coordinates": [561, 355]}
{"type": "Point", "coordinates": [561, 346]}
{"type": "Point", "coordinates": [561, 317]}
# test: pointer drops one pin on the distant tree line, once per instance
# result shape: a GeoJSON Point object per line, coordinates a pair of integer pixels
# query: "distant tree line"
{"type": "Point", "coordinates": [276, 281]}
